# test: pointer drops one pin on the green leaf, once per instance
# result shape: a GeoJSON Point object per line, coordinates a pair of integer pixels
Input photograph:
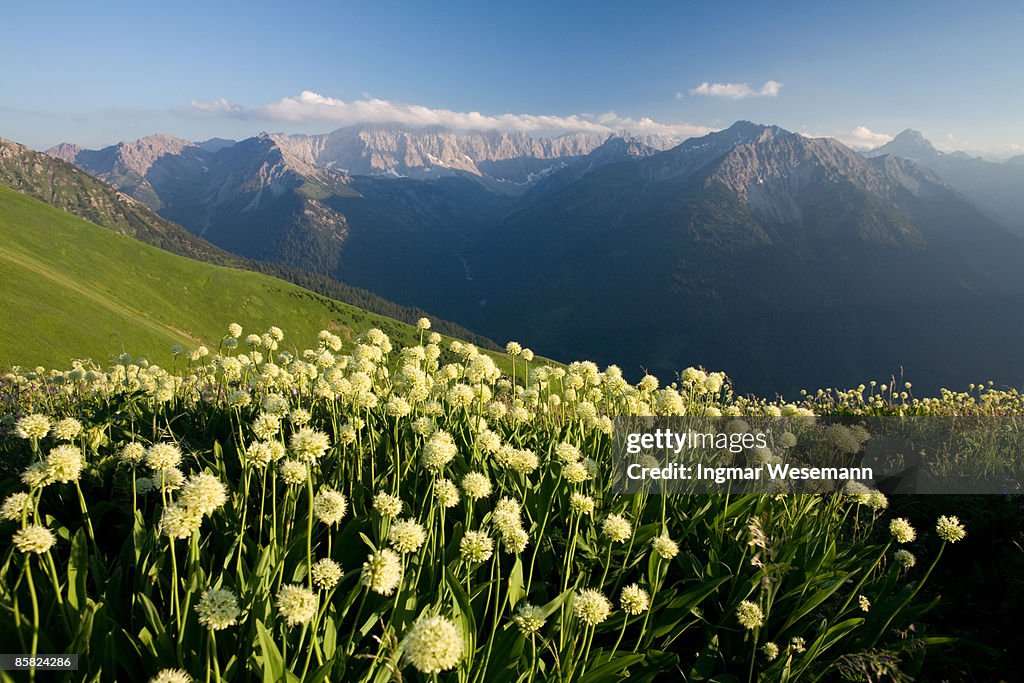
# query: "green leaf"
{"type": "Point", "coordinates": [78, 569]}
{"type": "Point", "coordinates": [463, 615]}
{"type": "Point", "coordinates": [516, 586]}
{"type": "Point", "coordinates": [273, 662]}
{"type": "Point", "coordinates": [610, 670]}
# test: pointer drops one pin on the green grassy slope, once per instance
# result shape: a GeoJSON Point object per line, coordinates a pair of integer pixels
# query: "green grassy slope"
{"type": "Point", "coordinates": [70, 289]}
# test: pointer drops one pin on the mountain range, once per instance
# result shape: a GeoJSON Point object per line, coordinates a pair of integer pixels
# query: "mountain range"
{"type": "Point", "coordinates": [994, 186]}
{"type": "Point", "coordinates": [788, 261]}
{"type": "Point", "coordinates": [66, 187]}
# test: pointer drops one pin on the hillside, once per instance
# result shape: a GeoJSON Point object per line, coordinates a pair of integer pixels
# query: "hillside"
{"type": "Point", "coordinates": [57, 182]}
{"type": "Point", "coordinates": [75, 290]}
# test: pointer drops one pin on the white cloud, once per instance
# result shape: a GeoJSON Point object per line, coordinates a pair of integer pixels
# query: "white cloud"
{"type": "Point", "coordinates": [737, 91]}
{"type": "Point", "coordinates": [312, 107]}
{"type": "Point", "coordinates": [216, 106]}
{"type": "Point", "coordinates": [863, 137]}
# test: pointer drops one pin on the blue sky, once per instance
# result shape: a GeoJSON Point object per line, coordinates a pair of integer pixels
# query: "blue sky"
{"type": "Point", "coordinates": [97, 73]}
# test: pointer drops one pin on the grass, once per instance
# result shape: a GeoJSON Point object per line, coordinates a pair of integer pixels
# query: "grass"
{"type": "Point", "coordinates": [75, 290]}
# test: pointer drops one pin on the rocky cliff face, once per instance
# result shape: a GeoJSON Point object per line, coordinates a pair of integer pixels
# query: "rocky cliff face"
{"type": "Point", "coordinates": [392, 150]}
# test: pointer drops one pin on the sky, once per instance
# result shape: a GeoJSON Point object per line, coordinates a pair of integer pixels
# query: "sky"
{"type": "Point", "coordinates": [97, 73]}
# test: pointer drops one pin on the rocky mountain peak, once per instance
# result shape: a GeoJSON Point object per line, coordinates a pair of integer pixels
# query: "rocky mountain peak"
{"type": "Point", "coordinates": [908, 143]}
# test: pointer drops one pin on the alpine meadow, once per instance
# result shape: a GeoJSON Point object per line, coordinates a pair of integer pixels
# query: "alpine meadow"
{"type": "Point", "coordinates": [482, 343]}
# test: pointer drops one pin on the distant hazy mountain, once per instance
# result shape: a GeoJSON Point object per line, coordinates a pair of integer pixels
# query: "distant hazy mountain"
{"type": "Point", "coordinates": [426, 153]}
{"type": "Point", "coordinates": [793, 262]}
{"type": "Point", "coordinates": [996, 187]}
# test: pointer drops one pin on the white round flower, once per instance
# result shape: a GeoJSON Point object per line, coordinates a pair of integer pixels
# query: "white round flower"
{"type": "Point", "coordinates": [634, 600]}
{"type": "Point", "coordinates": [617, 528]}
{"type": "Point", "coordinates": [203, 493]}
{"type": "Point", "coordinates": [591, 607]}
{"type": "Point", "coordinates": [296, 604]}
{"type": "Point", "coordinates": [162, 456]}
{"type": "Point", "coordinates": [326, 573]}
{"type": "Point", "coordinates": [64, 463]}
{"type": "Point", "coordinates": [382, 572]}
{"type": "Point", "coordinates": [433, 644]}
{"type": "Point", "coordinates": [330, 506]}
{"type": "Point", "coordinates": [218, 609]}
{"type": "Point", "coordinates": [407, 535]}
{"type": "Point", "coordinates": [476, 546]}
{"type": "Point", "coordinates": [34, 539]}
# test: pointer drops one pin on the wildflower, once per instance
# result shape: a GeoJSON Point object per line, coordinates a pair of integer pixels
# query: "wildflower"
{"type": "Point", "coordinates": [239, 399]}
{"type": "Point", "coordinates": [877, 501]}
{"type": "Point", "coordinates": [591, 607]}
{"type": "Point", "coordinates": [34, 539]}
{"type": "Point", "coordinates": [515, 540]}
{"type": "Point", "coordinates": [798, 644]}
{"type": "Point", "coordinates": [67, 429]}
{"type": "Point", "coordinates": [34, 426]}
{"type": "Point", "coordinates": [476, 485]}
{"type": "Point", "coordinates": [14, 506]}
{"type": "Point", "coordinates": [576, 473]}
{"type": "Point", "coordinates": [950, 529]}
{"type": "Point", "coordinates": [423, 324]}
{"type": "Point", "coordinates": [446, 492]}
{"type": "Point", "coordinates": [634, 600]}
{"type": "Point", "coordinates": [902, 531]}
{"type": "Point", "coordinates": [407, 535]}
{"type": "Point", "coordinates": [293, 472]}
{"type": "Point", "coordinates": [382, 572]}
{"type": "Point", "coordinates": [202, 493]}
{"type": "Point", "coordinates": [218, 609]}
{"type": "Point", "coordinates": [568, 453]}
{"type": "Point", "coordinates": [266, 426]}
{"type": "Point", "coordinates": [433, 644]}
{"type": "Point", "coordinates": [234, 330]}
{"type": "Point", "coordinates": [513, 348]}
{"type": "Point", "coordinates": [527, 355]}
{"type": "Point", "coordinates": [326, 573]}
{"type": "Point", "coordinates": [133, 453]}
{"type": "Point", "coordinates": [749, 615]}
{"type": "Point", "coordinates": [770, 650]}
{"type": "Point", "coordinates": [296, 604]}
{"type": "Point", "coordinates": [397, 407]}
{"type": "Point", "coordinates": [64, 464]}
{"type": "Point", "coordinates": [904, 558]}
{"type": "Point", "coordinates": [865, 604]}
{"type": "Point", "coordinates": [387, 505]}
{"type": "Point", "coordinates": [309, 444]}
{"type": "Point", "coordinates": [36, 475]}
{"type": "Point", "coordinates": [529, 618]}
{"type": "Point", "coordinates": [261, 453]}
{"type": "Point", "coordinates": [177, 521]}
{"type": "Point", "coordinates": [162, 456]}
{"type": "Point", "coordinates": [476, 546]}
{"type": "Point", "coordinates": [581, 504]}
{"type": "Point", "coordinates": [330, 506]}
{"type": "Point", "coordinates": [171, 676]}
{"type": "Point", "coordinates": [169, 479]}
{"type": "Point", "coordinates": [617, 528]}
{"type": "Point", "coordinates": [439, 450]}
{"type": "Point", "coordinates": [665, 547]}
{"type": "Point", "coordinates": [275, 404]}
